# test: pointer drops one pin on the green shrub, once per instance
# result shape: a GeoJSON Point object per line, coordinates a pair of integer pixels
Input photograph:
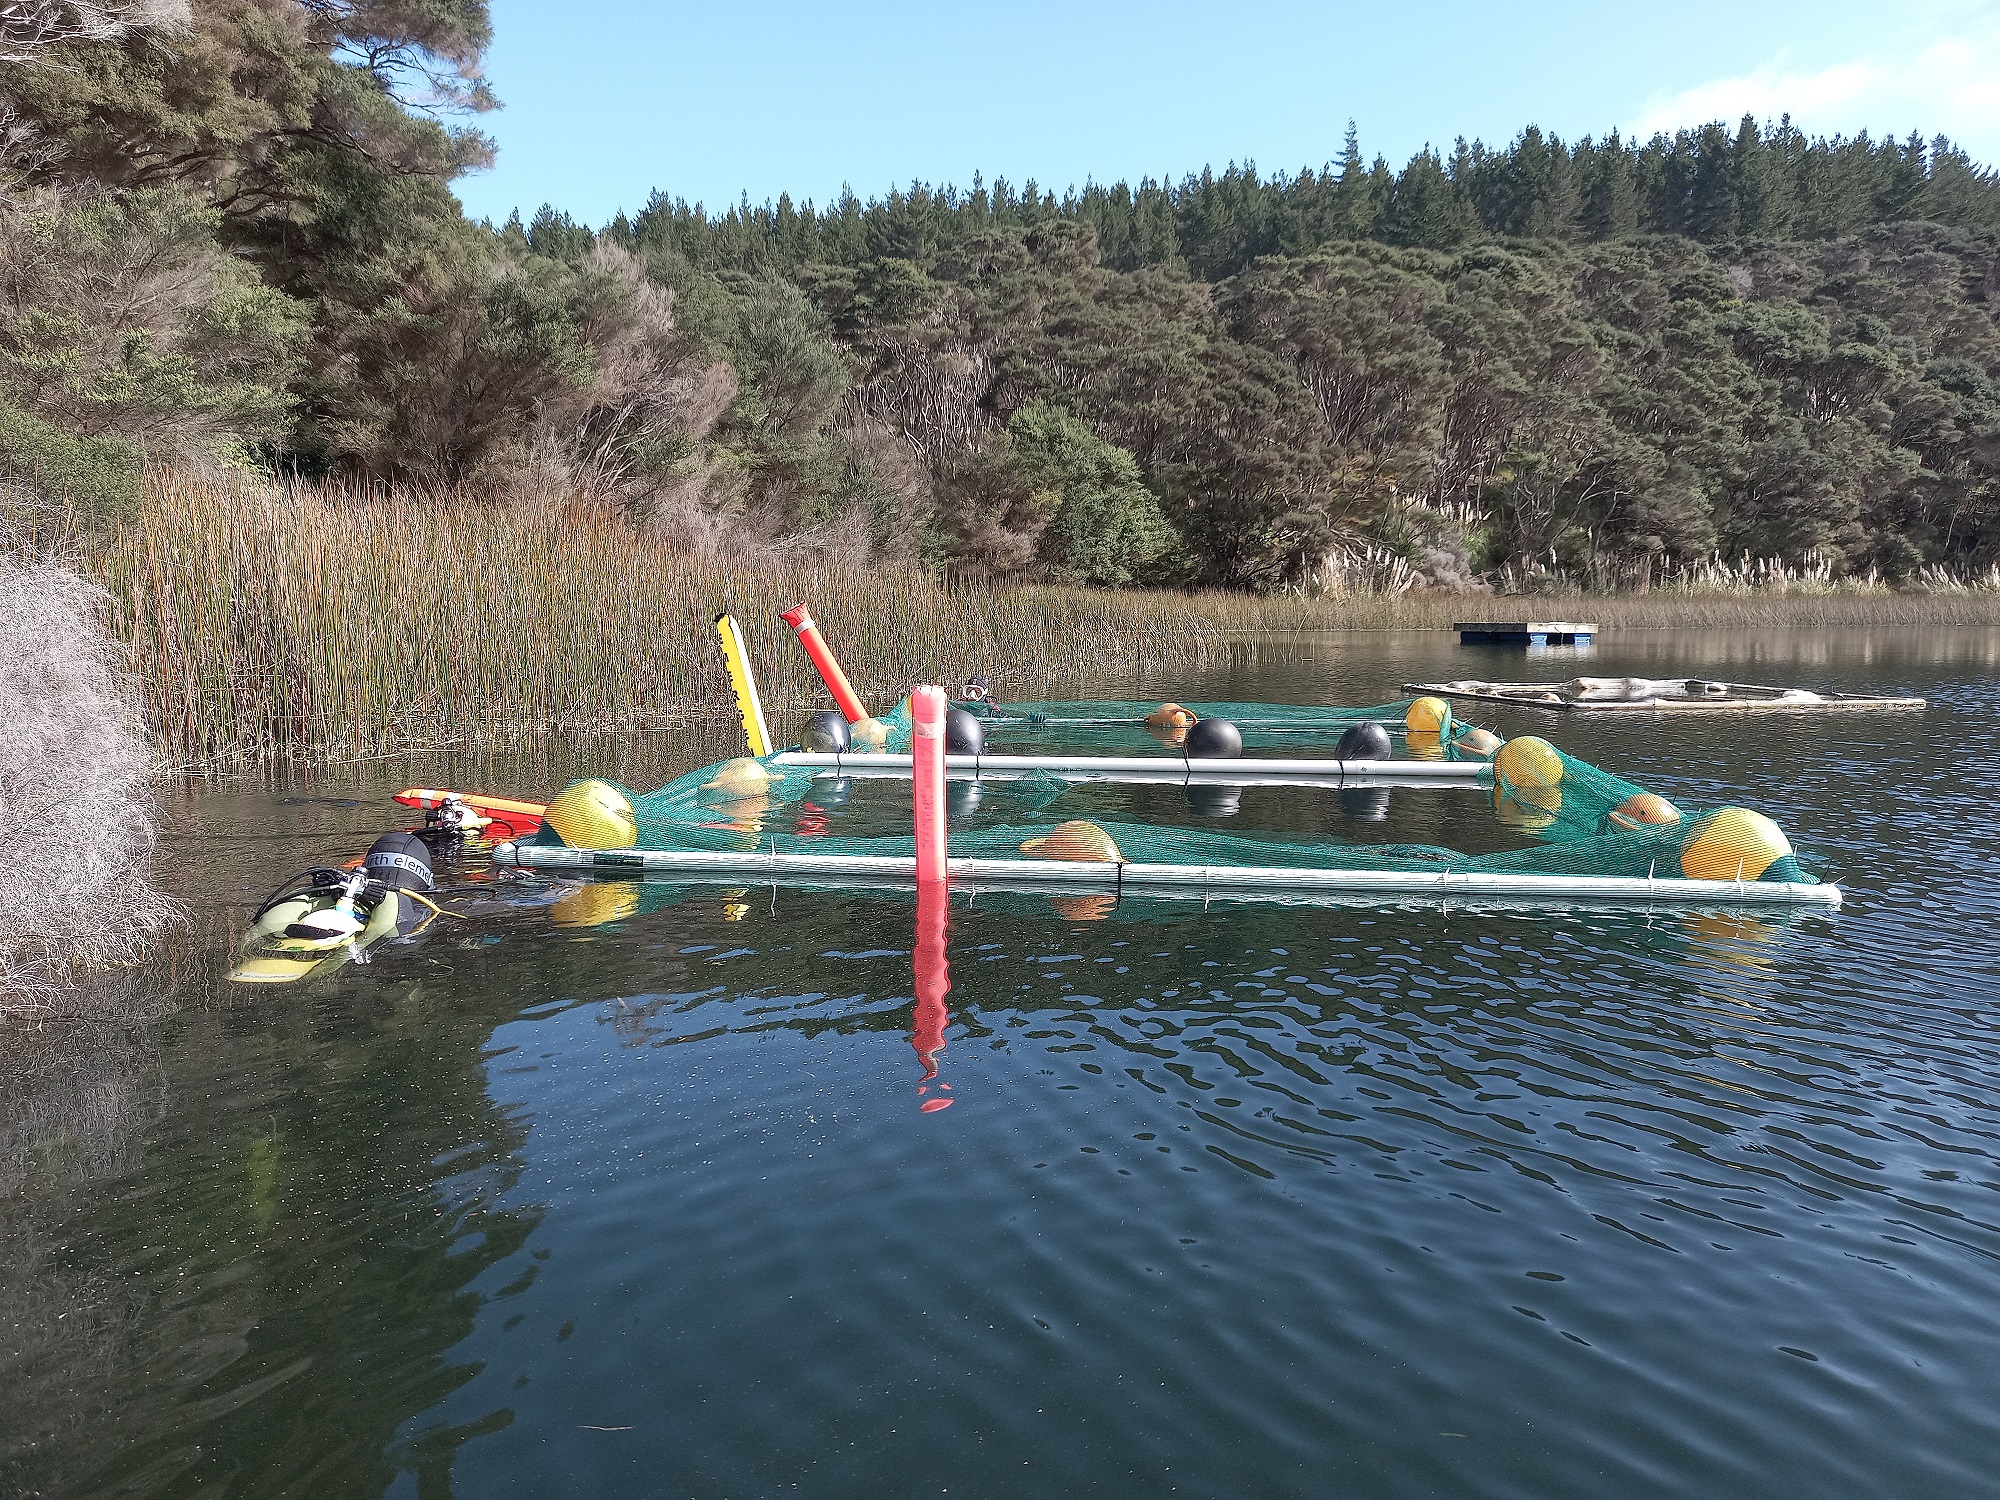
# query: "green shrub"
{"type": "Point", "coordinates": [1107, 527]}
{"type": "Point", "coordinates": [96, 477]}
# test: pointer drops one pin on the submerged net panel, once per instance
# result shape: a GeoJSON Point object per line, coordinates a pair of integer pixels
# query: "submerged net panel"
{"type": "Point", "coordinates": [1106, 726]}
{"type": "Point", "coordinates": [1572, 818]}
{"type": "Point", "coordinates": [1104, 723]}
{"type": "Point", "coordinates": [1306, 717]}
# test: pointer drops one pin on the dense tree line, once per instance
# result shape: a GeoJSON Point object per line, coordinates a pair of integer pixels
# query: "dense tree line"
{"type": "Point", "coordinates": [228, 236]}
{"type": "Point", "coordinates": [1713, 184]}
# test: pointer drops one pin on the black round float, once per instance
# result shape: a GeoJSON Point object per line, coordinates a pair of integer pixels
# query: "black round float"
{"type": "Point", "coordinates": [827, 733]}
{"type": "Point", "coordinates": [1212, 739]}
{"type": "Point", "coordinates": [963, 734]}
{"type": "Point", "coordinates": [1363, 742]}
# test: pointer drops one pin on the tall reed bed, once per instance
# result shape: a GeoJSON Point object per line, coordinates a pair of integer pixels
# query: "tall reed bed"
{"type": "Point", "coordinates": [266, 622]}
{"type": "Point", "coordinates": [324, 625]}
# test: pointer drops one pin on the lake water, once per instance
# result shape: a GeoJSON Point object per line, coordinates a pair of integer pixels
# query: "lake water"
{"type": "Point", "coordinates": [1253, 1200]}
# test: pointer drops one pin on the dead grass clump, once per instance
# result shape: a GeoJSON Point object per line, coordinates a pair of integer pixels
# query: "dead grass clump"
{"type": "Point", "coordinates": [76, 790]}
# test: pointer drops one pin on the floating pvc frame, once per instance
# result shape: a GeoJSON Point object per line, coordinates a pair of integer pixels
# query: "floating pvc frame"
{"type": "Point", "coordinates": [1161, 768]}
{"type": "Point", "coordinates": [1236, 882]}
{"type": "Point", "coordinates": [1448, 901]}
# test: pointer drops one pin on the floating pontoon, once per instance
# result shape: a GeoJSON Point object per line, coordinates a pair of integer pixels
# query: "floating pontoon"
{"type": "Point", "coordinates": [1525, 632]}
{"type": "Point", "coordinates": [1232, 881]}
{"type": "Point", "coordinates": [1610, 694]}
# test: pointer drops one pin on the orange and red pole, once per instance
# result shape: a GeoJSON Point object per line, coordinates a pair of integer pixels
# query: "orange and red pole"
{"type": "Point", "coordinates": [801, 620]}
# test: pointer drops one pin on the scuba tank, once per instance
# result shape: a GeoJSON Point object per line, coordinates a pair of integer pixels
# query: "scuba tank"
{"type": "Point", "coordinates": [399, 861]}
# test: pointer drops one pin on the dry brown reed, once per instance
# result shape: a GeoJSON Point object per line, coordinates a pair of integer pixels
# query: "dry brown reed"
{"type": "Point", "coordinates": [316, 623]}
{"type": "Point", "coordinates": [319, 624]}
{"type": "Point", "coordinates": [76, 780]}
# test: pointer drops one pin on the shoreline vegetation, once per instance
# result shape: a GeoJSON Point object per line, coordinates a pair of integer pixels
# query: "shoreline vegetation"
{"type": "Point", "coordinates": [312, 624]}
{"type": "Point", "coordinates": [229, 244]}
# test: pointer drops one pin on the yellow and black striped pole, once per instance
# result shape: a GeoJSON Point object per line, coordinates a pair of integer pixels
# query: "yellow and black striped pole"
{"type": "Point", "coordinates": [755, 731]}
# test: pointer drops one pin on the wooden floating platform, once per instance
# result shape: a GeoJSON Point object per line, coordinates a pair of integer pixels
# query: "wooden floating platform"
{"type": "Point", "coordinates": [1674, 694]}
{"type": "Point", "coordinates": [1526, 632]}
{"type": "Point", "coordinates": [1247, 771]}
{"type": "Point", "coordinates": [1237, 882]}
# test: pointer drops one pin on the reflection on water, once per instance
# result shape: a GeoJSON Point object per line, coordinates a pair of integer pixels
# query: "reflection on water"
{"type": "Point", "coordinates": [1732, 939]}
{"type": "Point", "coordinates": [1214, 799]}
{"type": "Point", "coordinates": [615, 1188]}
{"type": "Point", "coordinates": [1364, 804]}
{"type": "Point", "coordinates": [933, 982]}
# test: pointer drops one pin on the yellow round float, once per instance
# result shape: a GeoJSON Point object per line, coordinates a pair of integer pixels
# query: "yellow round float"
{"type": "Point", "coordinates": [1734, 844]}
{"type": "Point", "coordinates": [1529, 761]}
{"type": "Point", "coordinates": [592, 814]}
{"type": "Point", "coordinates": [1428, 716]}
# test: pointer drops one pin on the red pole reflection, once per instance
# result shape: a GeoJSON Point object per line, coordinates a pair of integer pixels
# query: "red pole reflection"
{"type": "Point", "coordinates": [933, 976]}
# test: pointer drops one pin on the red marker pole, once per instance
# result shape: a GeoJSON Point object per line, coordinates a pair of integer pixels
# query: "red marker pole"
{"type": "Point", "coordinates": [823, 659]}
{"type": "Point", "coordinates": [927, 708]}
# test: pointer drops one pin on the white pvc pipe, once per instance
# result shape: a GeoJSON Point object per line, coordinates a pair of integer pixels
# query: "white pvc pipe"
{"type": "Point", "coordinates": [1172, 775]}
{"type": "Point", "coordinates": [1113, 767]}
{"type": "Point", "coordinates": [1242, 880]}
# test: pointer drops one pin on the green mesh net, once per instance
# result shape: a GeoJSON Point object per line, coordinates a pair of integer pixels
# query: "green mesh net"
{"type": "Point", "coordinates": [1547, 812]}
{"type": "Point", "coordinates": [1113, 726]}
{"type": "Point", "coordinates": [1275, 717]}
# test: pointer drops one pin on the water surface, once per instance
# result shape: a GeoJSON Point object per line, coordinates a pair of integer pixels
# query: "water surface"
{"type": "Point", "coordinates": [1385, 1201]}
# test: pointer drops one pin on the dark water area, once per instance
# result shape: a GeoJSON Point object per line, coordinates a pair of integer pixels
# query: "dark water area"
{"type": "Point", "coordinates": [689, 1195]}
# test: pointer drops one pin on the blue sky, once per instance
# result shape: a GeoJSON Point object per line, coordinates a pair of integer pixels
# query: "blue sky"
{"type": "Point", "coordinates": [607, 99]}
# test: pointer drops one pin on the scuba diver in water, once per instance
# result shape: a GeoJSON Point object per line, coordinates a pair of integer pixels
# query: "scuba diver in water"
{"type": "Point", "coordinates": [452, 818]}
{"type": "Point", "coordinates": [976, 689]}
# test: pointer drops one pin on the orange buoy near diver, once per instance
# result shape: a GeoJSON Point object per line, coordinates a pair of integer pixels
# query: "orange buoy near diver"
{"type": "Point", "coordinates": [1170, 716]}
{"type": "Point", "coordinates": [1077, 840]}
{"type": "Point", "coordinates": [1477, 741]}
{"type": "Point", "coordinates": [1642, 808]}
{"type": "Point", "coordinates": [506, 818]}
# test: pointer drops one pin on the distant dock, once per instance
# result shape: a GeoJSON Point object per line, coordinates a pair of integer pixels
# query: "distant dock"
{"type": "Point", "coordinates": [1526, 633]}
